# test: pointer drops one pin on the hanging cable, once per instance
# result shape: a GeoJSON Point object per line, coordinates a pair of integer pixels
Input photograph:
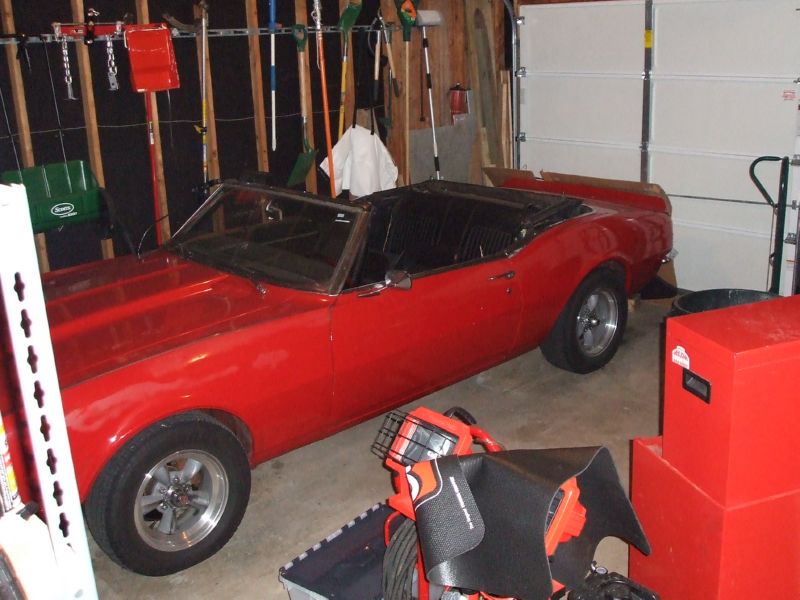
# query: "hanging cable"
{"type": "Point", "coordinates": [10, 133]}
{"type": "Point", "coordinates": [55, 104]}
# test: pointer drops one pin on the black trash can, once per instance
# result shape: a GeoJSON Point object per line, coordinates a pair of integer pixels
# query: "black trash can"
{"type": "Point", "coordinates": [695, 302]}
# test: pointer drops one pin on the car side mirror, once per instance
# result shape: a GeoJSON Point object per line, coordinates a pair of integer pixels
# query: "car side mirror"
{"type": "Point", "coordinates": [397, 279]}
{"type": "Point", "coordinates": [393, 279]}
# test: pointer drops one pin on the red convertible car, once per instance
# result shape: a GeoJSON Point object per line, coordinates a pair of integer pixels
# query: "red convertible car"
{"type": "Point", "coordinates": [275, 318]}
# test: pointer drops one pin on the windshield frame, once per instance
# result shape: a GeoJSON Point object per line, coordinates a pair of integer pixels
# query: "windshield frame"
{"type": "Point", "coordinates": [346, 259]}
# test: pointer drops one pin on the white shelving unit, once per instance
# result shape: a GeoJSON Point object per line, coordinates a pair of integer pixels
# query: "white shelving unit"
{"type": "Point", "coordinates": [21, 288]}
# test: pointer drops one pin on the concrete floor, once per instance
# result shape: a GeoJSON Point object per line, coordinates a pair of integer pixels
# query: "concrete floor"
{"type": "Point", "coordinates": [301, 497]}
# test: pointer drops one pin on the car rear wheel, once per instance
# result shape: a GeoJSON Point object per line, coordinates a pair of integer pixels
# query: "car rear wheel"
{"type": "Point", "coordinates": [171, 497]}
{"type": "Point", "coordinates": [590, 327]}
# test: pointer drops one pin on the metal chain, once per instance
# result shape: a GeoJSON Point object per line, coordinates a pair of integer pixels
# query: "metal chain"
{"type": "Point", "coordinates": [67, 72]}
{"type": "Point", "coordinates": [113, 84]}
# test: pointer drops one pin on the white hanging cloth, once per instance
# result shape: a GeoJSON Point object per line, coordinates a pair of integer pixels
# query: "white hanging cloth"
{"type": "Point", "coordinates": [362, 163]}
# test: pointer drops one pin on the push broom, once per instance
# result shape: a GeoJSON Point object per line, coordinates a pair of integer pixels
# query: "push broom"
{"type": "Point", "coordinates": [425, 19]}
{"type": "Point", "coordinates": [407, 13]}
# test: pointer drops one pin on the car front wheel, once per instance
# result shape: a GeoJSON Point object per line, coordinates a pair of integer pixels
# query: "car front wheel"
{"type": "Point", "coordinates": [171, 497]}
{"type": "Point", "coordinates": [590, 327]}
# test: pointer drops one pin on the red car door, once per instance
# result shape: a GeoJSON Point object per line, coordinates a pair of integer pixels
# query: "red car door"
{"type": "Point", "coordinates": [399, 344]}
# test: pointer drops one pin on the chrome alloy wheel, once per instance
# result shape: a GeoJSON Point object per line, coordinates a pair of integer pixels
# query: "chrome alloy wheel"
{"type": "Point", "coordinates": [597, 322]}
{"type": "Point", "coordinates": [181, 500]}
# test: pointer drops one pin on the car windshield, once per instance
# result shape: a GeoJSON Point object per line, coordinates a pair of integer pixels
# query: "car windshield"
{"type": "Point", "coordinates": [264, 234]}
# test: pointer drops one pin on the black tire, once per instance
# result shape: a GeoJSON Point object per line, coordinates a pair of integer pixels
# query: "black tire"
{"type": "Point", "coordinates": [583, 338]}
{"type": "Point", "coordinates": [154, 529]}
{"type": "Point", "coordinates": [399, 562]}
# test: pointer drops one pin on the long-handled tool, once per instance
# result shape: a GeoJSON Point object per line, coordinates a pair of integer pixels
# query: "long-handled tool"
{"type": "Point", "coordinates": [376, 70]}
{"type": "Point", "coordinates": [407, 13]}
{"type": "Point", "coordinates": [425, 19]}
{"type": "Point", "coordinates": [346, 22]}
{"type": "Point", "coordinates": [273, 78]}
{"type": "Point", "coordinates": [388, 45]}
{"type": "Point", "coordinates": [306, 158]}
{"type": "Point", "coordinates": [204, 90]}
{"type": "Point", "coordinates": [316, 15]}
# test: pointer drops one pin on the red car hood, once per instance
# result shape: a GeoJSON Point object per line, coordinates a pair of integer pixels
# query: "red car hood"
{"type": "Point", "coordinates": [119, 311]}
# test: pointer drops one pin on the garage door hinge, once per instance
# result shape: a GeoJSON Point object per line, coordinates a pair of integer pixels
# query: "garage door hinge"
{"type": "Point", "coordinates": [791, 238]}
{"type": "Point", "coordinates": [521, 72]}
{"type": "Point", "coordinates": [522, 137]}
{"type": "Point", "coordinates": [795, 162]}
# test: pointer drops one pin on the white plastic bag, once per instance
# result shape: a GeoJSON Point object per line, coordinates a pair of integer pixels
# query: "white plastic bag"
{"type": "Point", "coordinates": [361, 162]}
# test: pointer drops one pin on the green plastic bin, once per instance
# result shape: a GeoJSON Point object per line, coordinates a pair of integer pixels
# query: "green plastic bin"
{"type": "Point", "coordinates": [59, 193]}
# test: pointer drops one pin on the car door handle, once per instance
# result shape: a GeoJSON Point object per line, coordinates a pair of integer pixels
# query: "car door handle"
{"type": "Point", "coordinates": [506, 275]}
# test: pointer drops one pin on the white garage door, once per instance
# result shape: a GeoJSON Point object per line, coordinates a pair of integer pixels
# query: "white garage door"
{"type": "Point", "coordinates": [723, 93]}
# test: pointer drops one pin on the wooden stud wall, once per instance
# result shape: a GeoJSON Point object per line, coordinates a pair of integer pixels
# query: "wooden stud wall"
{"type": "Point", "coordinates": [304, 74]}
{"type": "Point", "coordinates": [449, 56]}
{"type": "Point", "coordinates": [90, 116]}
{"type": "Point", "coordinates": [450, 64]}
{"type": "Point", "coordinates": [257, 85]}
{"type": "Point", "coordinates": [213, 147]}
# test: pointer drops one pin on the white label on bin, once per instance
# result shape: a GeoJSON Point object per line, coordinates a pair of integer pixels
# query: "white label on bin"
{"type": "Point", "coordinates": [680, 357]}
{"type": "Point", "coordinates": [64, 209]}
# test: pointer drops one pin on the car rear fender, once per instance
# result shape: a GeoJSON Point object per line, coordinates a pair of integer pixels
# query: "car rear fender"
{"type": "Point", "coordinates": [551, 269]}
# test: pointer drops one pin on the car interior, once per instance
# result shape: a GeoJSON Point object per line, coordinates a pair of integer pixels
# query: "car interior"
{"type": "Point", "coordinates": [420, 234]}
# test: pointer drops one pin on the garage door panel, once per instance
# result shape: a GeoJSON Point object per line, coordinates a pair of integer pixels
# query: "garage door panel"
{"type": "Point", "coordinates": [594, 109]}
{"type": "Point", "coordinates": [711, 176]}
{"type": "Point", "coordinates": [591, 161]}
{"type": "Point", "coordinates": [605, 38]}
{"type": "Point", "coordinates": [739, 259]}
{"type": "Point", "coordinates": [729, 37]}
{"type": "Point", "coordinates": [723, 116]}
{"type": "Point", "coordinates": [723, 93]}
{"type": "Point", "coordinates": [747, 220]}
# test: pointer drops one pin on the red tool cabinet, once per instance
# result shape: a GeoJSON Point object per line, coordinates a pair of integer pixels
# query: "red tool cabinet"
{"type": "Point", "coordinates": [719, 493]}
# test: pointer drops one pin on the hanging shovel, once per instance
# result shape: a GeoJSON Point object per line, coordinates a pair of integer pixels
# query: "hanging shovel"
{"type": "Point", "coordinates": [305, 160]}
{"type": "Point", "coordinates": [346, 22]}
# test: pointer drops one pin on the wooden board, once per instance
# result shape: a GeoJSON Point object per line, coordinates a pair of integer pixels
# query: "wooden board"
{"type": "Point", "coordinates": [499, 175]}
{"type": "Point", "coordinates": [479, 20]}
{"type": "Point", "coordinates": [638, 187]}
{"type": "Point", "coordinates": [350, 98]}
{"type": "Point", "coordinates": [90, 116]}
{"type": "Point", "coordinates": [213, 148]}
{"type": "Point", "coordinates": [257, 86]}
{"type": "Point", "coordinates": [304, 75]}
